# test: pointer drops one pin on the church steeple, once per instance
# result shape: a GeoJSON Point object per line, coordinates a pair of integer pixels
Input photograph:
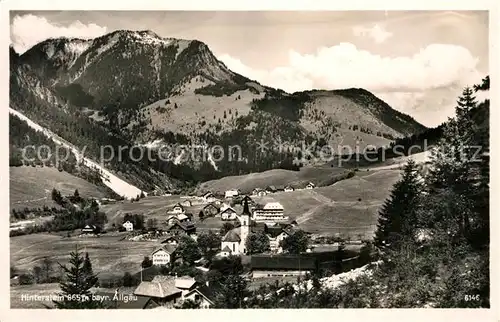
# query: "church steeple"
{"type": "Point", "coordinates": [246, 209]}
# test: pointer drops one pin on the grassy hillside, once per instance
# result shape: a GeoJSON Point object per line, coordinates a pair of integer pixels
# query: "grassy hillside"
{"type": "Point", "coordinates": [109, 254]}
{"type": "Point", "coordinates": [336, 209]}
{"type": "Point", "coordinates": [31, 186]}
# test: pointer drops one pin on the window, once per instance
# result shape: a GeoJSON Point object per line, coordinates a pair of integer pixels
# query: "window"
{"type": "Point", "coordinates": [233, 247]}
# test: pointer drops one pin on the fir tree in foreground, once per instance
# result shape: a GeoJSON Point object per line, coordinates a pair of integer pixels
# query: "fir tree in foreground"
{"type": "Point", "coordinates": [398, 215]}
{"type": "Point", "coordinates": [75, 290]}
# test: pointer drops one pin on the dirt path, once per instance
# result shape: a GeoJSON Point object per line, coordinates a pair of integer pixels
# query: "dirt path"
{"type": "Point", "coordinates": [32, 200]}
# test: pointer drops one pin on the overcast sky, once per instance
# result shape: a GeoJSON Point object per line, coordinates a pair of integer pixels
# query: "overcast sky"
{"type": "Point", "coordinates": [417, 61]}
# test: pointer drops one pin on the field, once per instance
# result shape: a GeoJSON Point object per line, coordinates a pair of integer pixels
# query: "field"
{"type": "Point", "coordinates": [108, 253]}
{"type": "Point", "coordinates": [336, 209]}
{"type": "Point", "coordinates": [31, 187]}
{"type": "Point", "coordinates": [246, 183]}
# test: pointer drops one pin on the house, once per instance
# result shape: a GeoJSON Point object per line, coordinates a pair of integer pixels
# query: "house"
{"type": "Point", "coordinates": [163, 255]}
{"type": "Point", "coordinates": [261, 193]}
{"type": "Point", "coordinates": [128, 226]}
{"type": "Point", "coordinates": [203, 295]}
{"type": "Point", "coordinates": [270, 213]}
{"type": "Point", "coordinates": [281, 265]}
{"type": "Point", "coordinates": [208, 197]}
{"type": "Point", "coordinates": [119, 300]}
{"type": "Point", "coordinates": [271, 189]}
{"type": "Point", "coordinates": [177, 209]}
{"type": "Point", "coordinates": [288, 188]}
{"type": "Point", "coordinates": [183, 218]}
{"type": "Point", "coordinates": [171, 240]}
{"type": "Point", "coordinates": [161, 289]}
{"type": "Point", "coordinates": [210, 210]}
{"type": "Point", "coordinates": [182, 228]}
{"type": "Point", "coordinates": [186, 203]}
{"type": "Point", "coordinates": [232, 193]}
{"type": "Point", "coordinates": [228, 214]}
{"type": "Point", "coordinates": [234, 242]}
{"type": "Point", "coordinates": [280, 188]}
{"type": "Point", "coordinates": [185, 284]}
{"type": "Point", "coordinates": [310, 185]}
{"type": "Point", "coordinates": [90, 230]}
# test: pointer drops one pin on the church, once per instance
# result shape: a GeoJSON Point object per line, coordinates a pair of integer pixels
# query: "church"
{"type": "Point", "coordinates": [233, 243]}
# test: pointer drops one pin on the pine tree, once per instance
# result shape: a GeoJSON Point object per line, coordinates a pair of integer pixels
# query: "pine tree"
{"type": "Point", "coordinates": [79, 280]}
{"type": "Point", "coordinates": [454, 165]}
{"type": "Point", "coordinates": [398, 216]}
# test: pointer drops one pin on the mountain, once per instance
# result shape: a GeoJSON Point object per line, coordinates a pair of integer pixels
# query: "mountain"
{"type": "Point", "coordinates": [137, 88]}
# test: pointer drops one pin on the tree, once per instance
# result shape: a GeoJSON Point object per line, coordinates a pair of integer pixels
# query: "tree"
{"type": "Point", "coordinates": [56, 196]}
{"type": "Point", "coordinates": [296, 243]}
{"type": "Point", "coordinates": [188, 250]}
{"type": "Point", "coordinates": [227, 226]}
{"type": "Point", "coordinates": [201, 215]}
{"type": "Point", "coordinates": [209, 243]}
{"type": "Point", "coordinates": [146, 262]}
{"type": "Point", "coordinates": [87, 269]}
{"type": "Point", "coordinates": [257, 243]}
{"type": "Point", "coordinates": [128, 280]}
{"type": "Point", "coordinates": [76, 194]}
{"type": "Point", "coordinates": [152, 223]}
{"type": "Point", "coordinates": [190, 304]}
{"type": "Point", "coordinates": [75, 291]}
{"type": "Point", "coordinates": [47, 268]}
{"type": "Point", "coordinates": [37, 274]}
{"type": "Point", "coordinates": [230, 265]}
{"type": "Point", "coordinates": [398, 216]}
{"type": "Point", "coordinates": [232, 292]}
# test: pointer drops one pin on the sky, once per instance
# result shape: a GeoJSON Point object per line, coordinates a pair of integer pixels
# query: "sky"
{"type": "Point", "coordinates": [416, 61]}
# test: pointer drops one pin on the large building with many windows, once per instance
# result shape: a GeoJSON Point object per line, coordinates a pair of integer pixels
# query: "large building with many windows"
{"type": "Point", "coordinates": [272, 212]}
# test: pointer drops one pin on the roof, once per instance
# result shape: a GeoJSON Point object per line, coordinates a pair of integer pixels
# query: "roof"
{"type": "Point", "coordinates": [185, 282]}
{"type": "Point", "coordinates": [168, 248]}
{"type": "Point", "coordinates": [310, 184]}
{"type": "Point", "coordinates": [137, 302]}
{"type": "Point", "coordinates": [207, 194]}
{"type": "Point", "coordinates": [227, 249]}
{"type": "Point", "coordinates": [159, 287]}
{"type": "Point", "coordinates": [282, 262]}
{"type": "Point", "coordinates": [228, 209]}
{"type": "Point", "coordinates": [170, 237]}
{"type": "Point", "coordinates": [280, 187]}
{"type": "Point", "coordinates": [274, 230]}
{"type": "Point", "coordinates": [207, 292]}
{"type": "Point", "coordinates": [182, 217]}
{"type": "Point", "coordinates": [211, 205]}
{"type": "Point", "coordinates": [271, 188]}
{"type": "Point", "coordinates": [232, 236]}
{"type": "Point", "coordinates": [178, 205]}
{"type": "Point", "coordinates": [186, 226]}
{"type": "Point", "coordinates": [273, 206]}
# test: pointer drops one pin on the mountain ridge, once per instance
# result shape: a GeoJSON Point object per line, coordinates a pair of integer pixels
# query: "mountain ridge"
{"type": "Point", "coordinates": [145, 88]}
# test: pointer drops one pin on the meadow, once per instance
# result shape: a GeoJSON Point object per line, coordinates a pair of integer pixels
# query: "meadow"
{"type": "Point", "coordinates": [31, 187]}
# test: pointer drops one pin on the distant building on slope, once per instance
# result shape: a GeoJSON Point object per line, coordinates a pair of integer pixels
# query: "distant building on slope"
{"type": "Point", "coordinates": [310, 185]}
{"type": "Point", "coordinates": [232, 193]}
{"type": "Point", "coordinates": [128, 226]}
{"type": "Point", "coordinates": [272, 212]}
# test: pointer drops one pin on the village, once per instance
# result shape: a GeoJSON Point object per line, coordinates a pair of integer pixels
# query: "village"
{"type": "Point", "coordinates": [254, 234]}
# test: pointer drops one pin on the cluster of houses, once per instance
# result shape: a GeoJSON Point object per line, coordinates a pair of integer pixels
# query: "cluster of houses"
{"type": "Point", "coordinates": [270, 189]}
{"type": "Point", "coordinates": [162, 292]}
